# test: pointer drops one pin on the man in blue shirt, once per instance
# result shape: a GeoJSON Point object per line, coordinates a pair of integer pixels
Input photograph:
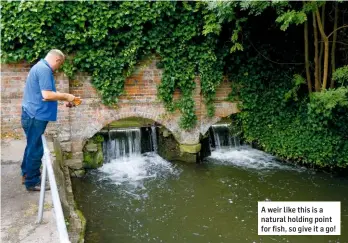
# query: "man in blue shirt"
{"type": "Point", "coordinates": [39, 106]}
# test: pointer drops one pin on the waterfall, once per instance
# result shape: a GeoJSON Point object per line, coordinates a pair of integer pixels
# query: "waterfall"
{"type": "Point", "coordinates": [122, 143]}
{"type": "Point", "coordinates": [154, 138]}
{"type": "Point", "coordinates": [130, 157]}
{"type": "Point", "coordinates": [222, 138]}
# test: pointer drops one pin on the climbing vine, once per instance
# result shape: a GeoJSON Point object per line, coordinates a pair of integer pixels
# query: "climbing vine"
{"type": "Point", "coordinates": [107, 40]}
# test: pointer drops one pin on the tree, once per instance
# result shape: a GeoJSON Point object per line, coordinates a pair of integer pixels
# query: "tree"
{"type": "Point", "coordinates": [290, 13]}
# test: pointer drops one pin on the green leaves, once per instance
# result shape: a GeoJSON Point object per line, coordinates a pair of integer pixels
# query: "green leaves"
{"type": "Point", "coordinates": [107, 39]}
{"type": "Point", "coordinates": [341, 75]}
{"type": "Point", "coordinates": [323, 104]}
{"type": "Point", "coordinates": [298, 80]}
{"type": "Point", "coordinates": [291, 17]}
{"type": "Point", "coordinates": [312, 132]}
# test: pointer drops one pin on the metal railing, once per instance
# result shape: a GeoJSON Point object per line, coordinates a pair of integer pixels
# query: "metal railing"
{"type": "Point", "coordinates": [47, 168]}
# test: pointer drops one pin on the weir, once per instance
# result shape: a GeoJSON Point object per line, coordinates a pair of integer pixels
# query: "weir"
{"type": "Point", "coordinates": [221, 138]}
{"type": "Point", "coordinates": [128, 142]}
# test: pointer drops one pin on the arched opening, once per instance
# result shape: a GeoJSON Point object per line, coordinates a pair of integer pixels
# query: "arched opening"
{"type": "Point", "coordinates": [129, 136]}
{"type": "Point", "coordinates": [219, 134]}
{"type": "Point", "coordinates": [134, 136]}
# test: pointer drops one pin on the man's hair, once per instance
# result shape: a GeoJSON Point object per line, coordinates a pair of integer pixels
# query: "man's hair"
{"type": "Point", "coordinates": [56, 52]}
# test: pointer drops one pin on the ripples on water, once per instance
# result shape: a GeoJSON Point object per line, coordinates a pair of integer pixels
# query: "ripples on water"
{"type": "Point", "coordinates": [144, 198]}
{"type": "Point", "coordinates": [134, 170]}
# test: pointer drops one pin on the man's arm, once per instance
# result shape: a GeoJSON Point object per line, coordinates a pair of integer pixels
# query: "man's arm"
{"type": "Point", "coordinates": [51, 95]}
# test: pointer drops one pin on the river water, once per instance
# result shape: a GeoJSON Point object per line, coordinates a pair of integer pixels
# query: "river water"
{"type": "Point", "coordinates": [144, 198]}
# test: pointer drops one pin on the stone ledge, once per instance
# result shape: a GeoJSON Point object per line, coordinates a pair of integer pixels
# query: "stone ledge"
{"type": "Point", "coordinates": [190, 148]}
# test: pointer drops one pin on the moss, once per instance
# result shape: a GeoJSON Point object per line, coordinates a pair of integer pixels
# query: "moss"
{"type": "Point", "coordinates": [57, 153]}
{"type": "Point", "coordinates": [67, 155]}
{"type": "Point", "coordinates": [83, 225]}
{"type": "Point", "coordinates": [190, 148]}
{"type": "Point", "coordinates": [87, 160]}
{"type": "Point", "coordinates": [97, 139]}
{"type": "Point", "coordinates": [93, 160]}
{"type": "Point", "coordinates": [77, 173]}
{"type": "Point", "coordinates": [99, 158]}
{"type": "Point", "coordinates": [93, 156]}
{"type": "Point", "coordinates": [100, 147]}
{"type": "Point", "coordinates": [169, 149]}
{"type": "Point", "coordinates": [131, 122]}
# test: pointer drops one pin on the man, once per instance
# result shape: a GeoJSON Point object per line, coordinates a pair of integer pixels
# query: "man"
{"type": "Point", "coordinates": [40, 106]}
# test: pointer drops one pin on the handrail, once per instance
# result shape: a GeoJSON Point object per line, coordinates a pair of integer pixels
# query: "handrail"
{"type": "Point", "coordinates": [47, 168]}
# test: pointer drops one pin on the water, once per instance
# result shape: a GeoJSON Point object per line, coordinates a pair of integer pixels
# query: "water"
{"type": "Point", "coordinates": [143, 198]}
{"type": "Point", "coordinates": [221, 138]}
{"type": "Point", "coordinates": [154, 138]}
{"type": "Point", "coordinates": [121, 142]}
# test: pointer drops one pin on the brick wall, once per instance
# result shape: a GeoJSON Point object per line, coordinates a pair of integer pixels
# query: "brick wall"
{"type": "Point", "coordinates": [77, 124]}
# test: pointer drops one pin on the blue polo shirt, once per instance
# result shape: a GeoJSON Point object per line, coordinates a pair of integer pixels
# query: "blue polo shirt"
{"type": "Point", "coordinates": [40, 78]}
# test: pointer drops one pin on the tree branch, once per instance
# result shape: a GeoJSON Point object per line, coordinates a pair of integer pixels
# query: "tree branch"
{"type": "Point", "coordinates": [343, 26]}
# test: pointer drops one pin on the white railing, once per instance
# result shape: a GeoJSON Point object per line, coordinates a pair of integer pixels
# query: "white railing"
{"type": "Point", "coordinates": [47, 168]}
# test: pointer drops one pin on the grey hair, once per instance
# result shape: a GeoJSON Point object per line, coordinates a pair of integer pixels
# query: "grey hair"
{"type": "Point", "coordinates": [56, 52]}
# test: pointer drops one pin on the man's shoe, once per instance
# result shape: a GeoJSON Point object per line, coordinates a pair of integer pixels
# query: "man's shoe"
{"type": "Point", "coordinates": [37, 188]}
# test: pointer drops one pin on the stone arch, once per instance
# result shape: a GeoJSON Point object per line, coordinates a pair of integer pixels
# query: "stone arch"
{"type": "Point", "coordinates": [206, 124]}
{"type": "Point", "coordinates": [223, 110]}
{"type": "Point", "coordinates": [104, 117]}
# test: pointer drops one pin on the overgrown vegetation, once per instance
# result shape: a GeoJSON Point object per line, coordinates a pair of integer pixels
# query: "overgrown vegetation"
{"type": "Point", "coordinates": [107, 39]}
{"type": "Point", "coordinates": [287, 60]}
{"type": "Point", "coordinates": [279, 111]}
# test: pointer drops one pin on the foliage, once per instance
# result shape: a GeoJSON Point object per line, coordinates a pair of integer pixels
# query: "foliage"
{"type": "Point", "coordinates": [97, 139]}
{"type": "Point", "coordinates": [276, 112]}
{"type": "Point", "coordinates": [313, 133]}
{"type": "Point", "coordinates": [291, 16]}
{"type": "Point", "coordinates": [341, 75]}
{"type": "Point", "coordinates": [329, 109]}
{"type": "Point", "coordinates": [107, 39]}
{"type": "Point", "coordinates": [298, 80]}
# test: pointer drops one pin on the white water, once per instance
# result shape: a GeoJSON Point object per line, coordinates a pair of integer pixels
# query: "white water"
{"type": "Point", "coordinates": [222, 138]}
{"type": "Point", "coordinates": [127, 166]}
{"type": "Point", "coordinates": [136, 169]}
{"type": "Point", "coordinates": [248, 158]}
{"type": "Point", "coordinates": [154, 138]}
{"type": "Point", "coordinates": [125, 163]}
{"type": "Point", "coordinates": [121, 143]}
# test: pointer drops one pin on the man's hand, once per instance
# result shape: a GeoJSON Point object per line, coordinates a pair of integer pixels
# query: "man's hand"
{"type": "Point", "coordinates": [69, 97]}
{"type": "Point", "coordinates": [77, 101]}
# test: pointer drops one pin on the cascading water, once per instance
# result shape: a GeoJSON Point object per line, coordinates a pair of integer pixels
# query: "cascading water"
{"type": "Point", "coordinates": [122, 143]}
{"type": "Point", "coordinates": [226, 149]}
{"type": "Point", "coordinates": [130, 157]}
{"type": "Point", "coordinates": [222, 138]}
{"type": "Point", "coordinates": [141, 197]}
{"type": "Point", "coordinates": [154, 138]}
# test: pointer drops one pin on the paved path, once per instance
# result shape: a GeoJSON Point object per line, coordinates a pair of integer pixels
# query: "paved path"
{"type": "Point", "coordinates": [19, 207]}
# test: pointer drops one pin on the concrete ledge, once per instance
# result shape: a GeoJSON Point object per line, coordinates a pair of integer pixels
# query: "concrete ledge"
{"type": "Point", "coordinates": [190, 148]}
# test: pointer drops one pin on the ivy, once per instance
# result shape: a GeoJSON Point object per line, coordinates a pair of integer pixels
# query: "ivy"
{"type": "Point", "coordinates": [281, 120]}
{"type": "Point", "coordinates": [108, 39]}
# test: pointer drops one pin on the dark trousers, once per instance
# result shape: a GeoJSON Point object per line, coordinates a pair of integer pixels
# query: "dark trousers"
{"type": "Point", "coordinates": [33, 153]}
